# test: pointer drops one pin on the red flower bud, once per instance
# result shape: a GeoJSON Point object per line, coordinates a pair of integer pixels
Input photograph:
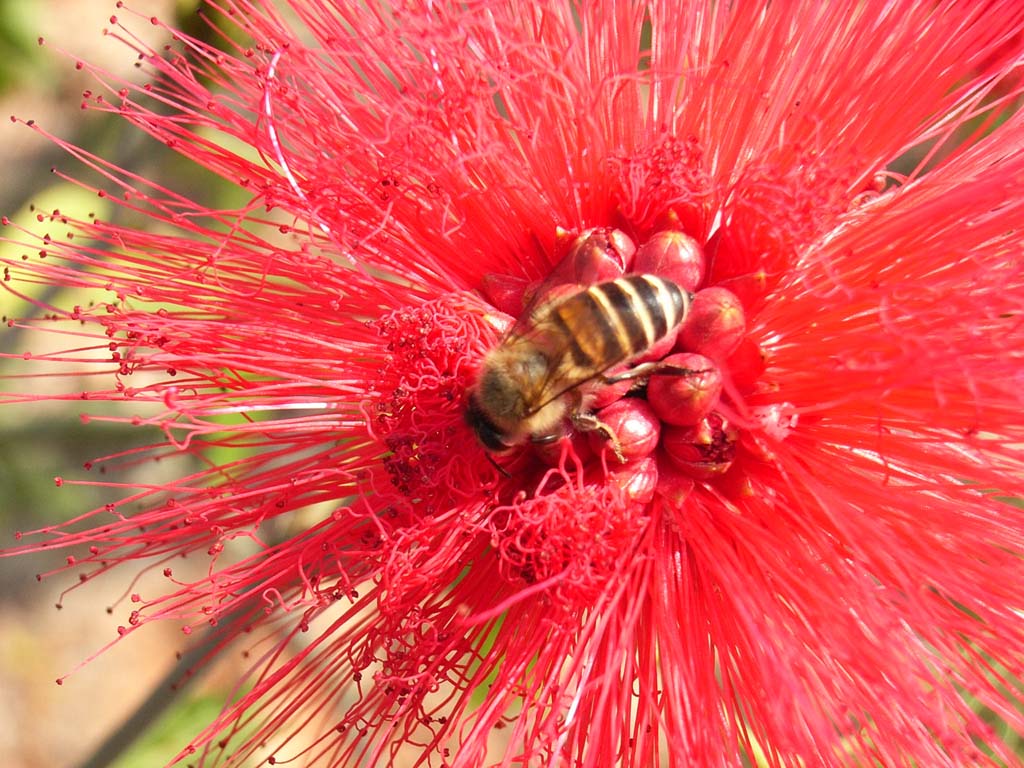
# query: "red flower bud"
{"type": "Point", "coordinates": [704, 450]}
{"type": "Point", "coordinates": [609, 393]}
{"type": "Point", "coordinates": [715, 325]}
{"type": "Point", "coordinates": [634, 424]}
{"type": "Point", "coordinates": [504, 292]}
{"type": "Point", "coordinates": [639, 479]}
{"type": "Point", "coordinates": [673, 255]}
{"type": "Point", "coordinates": [600, 254]}
{"type": "Point", "coordinates": [685, 398]}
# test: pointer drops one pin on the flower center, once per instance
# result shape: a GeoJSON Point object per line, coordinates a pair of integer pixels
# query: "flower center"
{"type": "Point", "coordinates": [624, 355]}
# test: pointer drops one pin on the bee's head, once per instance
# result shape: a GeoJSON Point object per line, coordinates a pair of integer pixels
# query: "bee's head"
{"type": "Point", "coordinates": [490, 435]}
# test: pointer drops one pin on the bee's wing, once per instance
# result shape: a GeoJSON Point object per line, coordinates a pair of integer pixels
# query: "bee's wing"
{"type": "Point", "coordinates": [541, 333]}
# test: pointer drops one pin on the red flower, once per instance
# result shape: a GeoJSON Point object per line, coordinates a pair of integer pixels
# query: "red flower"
{"type": "Point", "coordinates": [808, 556]}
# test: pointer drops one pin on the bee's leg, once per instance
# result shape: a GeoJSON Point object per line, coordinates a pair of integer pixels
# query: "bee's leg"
{"type": "Point", "coordinates": [646, 369]}
{"type": "Point", "coordinates": [497, 466]}
{"type": "Point", "coordinates": [588, 422]}
{"type": "Point", "coordinates": [639, 371]}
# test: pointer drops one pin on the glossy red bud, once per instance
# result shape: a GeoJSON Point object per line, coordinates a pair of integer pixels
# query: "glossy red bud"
{"type": "Point", "coordinates": [639, 479]}
{"type": "Point", "coordinates": [504, 292]}
{"type": "Point", "coordinates": [703, 451]}
{"type": "Point", "coordinates": [673, 255]}
{"type": "Point", "coordinates": [600, 254]}
{"type": "Point", "coordinates": [607, 394]}
{"type": "Point", "coordinates": [682, 398]}
{"type": "Point", "coordinates": [634, 424]}
{"type": "Point", "coordinates": [715, 325]}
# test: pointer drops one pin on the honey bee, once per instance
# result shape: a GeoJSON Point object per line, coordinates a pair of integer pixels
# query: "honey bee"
{"type": "Point", "coordinates": [550, 362]}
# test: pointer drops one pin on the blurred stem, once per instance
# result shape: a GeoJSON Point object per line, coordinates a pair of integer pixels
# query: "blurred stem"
{"type": "Point", "coordinates": [186, 671]}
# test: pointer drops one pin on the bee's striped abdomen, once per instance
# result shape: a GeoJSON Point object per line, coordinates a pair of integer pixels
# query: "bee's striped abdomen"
{"type": "Point", "coordinates": [614, 321]}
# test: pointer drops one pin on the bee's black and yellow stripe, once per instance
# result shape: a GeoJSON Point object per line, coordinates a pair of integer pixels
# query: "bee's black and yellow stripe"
{"type": "Point", "coordinates": [614, 321]}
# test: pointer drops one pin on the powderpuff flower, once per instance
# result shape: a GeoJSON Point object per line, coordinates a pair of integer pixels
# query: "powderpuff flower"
{"type": "Point", "coordinates": [789, 539]}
